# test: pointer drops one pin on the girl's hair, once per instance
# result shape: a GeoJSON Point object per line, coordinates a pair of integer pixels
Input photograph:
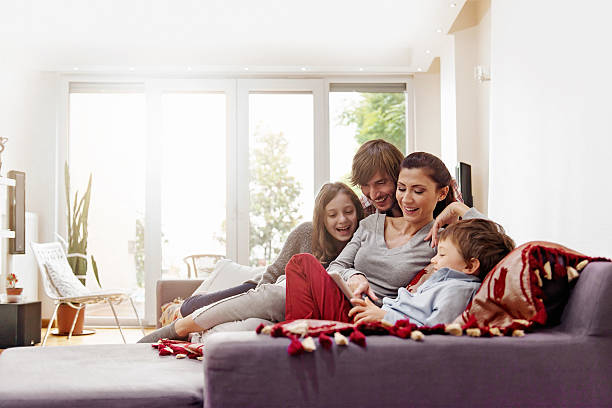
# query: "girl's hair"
{"type": "Point", "coordinates": [436, 170]}
{"type": "Point", "coordinates": [375, 155]}
{"type": "Point", "coordinates": [324, 246]}
{"type": "Point", "coordinates": [481, 239]}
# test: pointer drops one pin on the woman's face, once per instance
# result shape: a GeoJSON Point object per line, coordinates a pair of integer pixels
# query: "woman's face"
{"type": "Point", "coordinates": [417, 195]}
{"type": "Point", "coordinates": [341, 217]}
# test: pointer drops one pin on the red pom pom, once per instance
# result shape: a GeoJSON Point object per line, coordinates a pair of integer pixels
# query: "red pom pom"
{"type": "Point", "coordinates": [260, 328]}
{"type": "Point", "coordinates": [277, 331]}
{"type": "Point", "coordinates": [325, 341]}
{"type": "Point", "coordinates": [402, 332]}
{"type": "Point", "coordinates": [165, 351]}
{"type": "Point", "coordinates": [358, 337]}
{"type": "Point", "coordinates": [403, 323]}
{"type": "Point", "coordinates": [295, 347]}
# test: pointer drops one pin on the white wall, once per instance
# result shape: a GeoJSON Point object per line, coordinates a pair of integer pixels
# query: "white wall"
{"type": "Point", "coordinates": [472, 48]}
{"type": "Point", "coordinates": [427, 113]}
{"type": "Point", "coordinates": [551, 122]}
{"type": "Point", "coordinates": [27, 119]}
{"type": "Point", "coordinates": [448, 105]}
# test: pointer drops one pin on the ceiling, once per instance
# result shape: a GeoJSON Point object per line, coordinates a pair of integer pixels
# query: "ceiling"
{"type": "Point", "coordinates": [343, 36]}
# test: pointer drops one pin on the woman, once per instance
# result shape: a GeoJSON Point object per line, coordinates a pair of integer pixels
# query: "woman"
{"type": "Point", "coordinates": [385, 253]}
{"type": "Point", "coordinates": [335, 218]}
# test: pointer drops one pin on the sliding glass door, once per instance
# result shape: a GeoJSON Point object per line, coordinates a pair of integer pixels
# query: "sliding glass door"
{"type": "Point", "coordinates": [193, 182]}
{"type": "Point", "coordinates": [184, 167]}
{"type": "Point", "coordinates": [107, 141]}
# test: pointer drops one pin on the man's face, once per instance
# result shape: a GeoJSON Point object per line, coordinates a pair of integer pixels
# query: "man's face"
{"type": "Point", "coordinates": [380, 190]}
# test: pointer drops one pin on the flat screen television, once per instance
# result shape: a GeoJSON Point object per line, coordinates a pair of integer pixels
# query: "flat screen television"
{"type": "Point", "coordinates": [16, 199]}
{"type": "Point", "coordinates": [464, 179]}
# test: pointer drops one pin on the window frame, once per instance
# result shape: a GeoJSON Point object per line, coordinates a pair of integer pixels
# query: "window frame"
{"type": "Point", "coordinates": [237, 91]}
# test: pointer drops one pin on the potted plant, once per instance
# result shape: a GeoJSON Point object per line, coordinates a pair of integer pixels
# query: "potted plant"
{"type": "Point", "coordinates": [76, 251]}
{"type": "Point", "coordinates": [12, 293]}
{"type": "Point", "coordinates": [77, 230]}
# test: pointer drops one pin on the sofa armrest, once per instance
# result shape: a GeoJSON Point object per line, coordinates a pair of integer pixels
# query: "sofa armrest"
{"type": "Point", "coordinates": [169, 289]}
{"type": "Point", "coordinates": [590, 303]}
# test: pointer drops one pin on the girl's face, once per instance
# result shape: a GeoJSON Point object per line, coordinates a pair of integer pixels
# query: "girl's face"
{"type": "Point", "coordinates": [341, 217]}
{"type": "Point", "coordinates": [417, 195]}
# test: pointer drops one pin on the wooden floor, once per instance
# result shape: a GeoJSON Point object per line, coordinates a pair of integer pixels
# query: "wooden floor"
{"type": "Point", "coordinates": [101, 336]}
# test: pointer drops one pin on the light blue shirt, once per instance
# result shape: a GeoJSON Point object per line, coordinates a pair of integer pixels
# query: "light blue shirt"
{"type": "Point", "coordinates": [440, 299]}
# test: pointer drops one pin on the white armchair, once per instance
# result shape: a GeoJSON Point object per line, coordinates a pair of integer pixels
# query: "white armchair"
{"type": "Point", "coordinates": [63, 287]}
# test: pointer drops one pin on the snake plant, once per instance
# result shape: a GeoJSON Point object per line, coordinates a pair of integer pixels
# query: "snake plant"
{"type": "Point", "coordinates": [77, 229]}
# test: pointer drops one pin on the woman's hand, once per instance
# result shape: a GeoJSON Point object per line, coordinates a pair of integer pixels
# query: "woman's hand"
{"type": "Point", "coordinates": [365, 311]}
{"type": "Point", "coordinates": [360, 285]}
{"type": "Point", "coordinates": [448, 216]}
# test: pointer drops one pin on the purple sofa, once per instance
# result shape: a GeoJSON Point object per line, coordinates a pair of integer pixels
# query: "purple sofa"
{"type": "Point", "coordinates": [569, 365]}
{"type": "Point", "coordinates": [565, 366]}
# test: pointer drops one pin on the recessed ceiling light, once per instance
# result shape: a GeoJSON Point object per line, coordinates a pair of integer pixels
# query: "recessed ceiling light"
{"type": "Point", "coordinates": [453, 4]}
{"type": "Point", "coordinates": [75, 68]}
{"type": "Point", "coordinates": [246, 68]}
{"type": "Point", "coordinates": [439, 30]}
{"type": "Point", "coordinates": [427, 51]}
{"type": "Point", "coordinates": [189, 68]}
{"type": "Point", "coordinates": [419, 69]}
{"type": "Point", "coordinates": [132, 68]}
{"type": "Point", "coordinates": [361, 69]}
{"type": "Point", "coordinates": [303, 68]}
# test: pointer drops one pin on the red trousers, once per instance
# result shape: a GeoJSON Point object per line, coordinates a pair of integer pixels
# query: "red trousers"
{"type": "Point", "coordinates": [311, 293]}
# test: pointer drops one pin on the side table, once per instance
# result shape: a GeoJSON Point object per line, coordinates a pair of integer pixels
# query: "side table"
{"type": "Point", "coordinates": [19, 324]}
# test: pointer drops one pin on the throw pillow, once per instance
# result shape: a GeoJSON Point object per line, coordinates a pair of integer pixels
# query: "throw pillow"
{"type": "Point", "coordinates": [170, 311]}
{"type": "Point", "coordinates": [227, 274]}
{"type": "Point", "coordinates": [62, 279]}
{"type": "Point", "coordinates": [531, 285]}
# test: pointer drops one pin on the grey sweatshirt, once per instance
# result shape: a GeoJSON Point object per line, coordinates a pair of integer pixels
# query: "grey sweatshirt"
{"type": "Point", "coordinates": [386, 269]}
{"type": "Point", "coordinates": [299, 241]}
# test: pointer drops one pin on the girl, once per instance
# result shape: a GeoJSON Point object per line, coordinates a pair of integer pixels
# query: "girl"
{"type": "Point", "coordinates": [335, 218]}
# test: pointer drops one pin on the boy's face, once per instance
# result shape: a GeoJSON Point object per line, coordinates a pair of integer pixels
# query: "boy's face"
{"type": "Point", "coordinates": [448, 256]}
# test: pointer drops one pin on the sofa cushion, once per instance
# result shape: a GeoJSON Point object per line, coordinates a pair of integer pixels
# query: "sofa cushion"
{"type": "Point", "coordinates": [227, 274]}
{"type": "Point", "coordinates": [106, 375]}
{"type": "Point", "coordinates": [544, 369]}
{"type": "Point", "coordinates": [531, 285]}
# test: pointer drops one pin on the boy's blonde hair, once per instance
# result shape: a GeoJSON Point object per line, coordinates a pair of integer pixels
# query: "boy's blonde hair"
{"type": "Point", "coordinates": [482, 239]}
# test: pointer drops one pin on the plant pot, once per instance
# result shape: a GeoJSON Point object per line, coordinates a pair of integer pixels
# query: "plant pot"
{"type": "Point", "coordinates": [13, 295]}
{"type": "Point", "coordinates": [65, 317]}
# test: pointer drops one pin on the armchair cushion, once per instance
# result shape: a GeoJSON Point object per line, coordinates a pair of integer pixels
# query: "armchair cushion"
{"type": "Point", "coordinates": [63, 280]}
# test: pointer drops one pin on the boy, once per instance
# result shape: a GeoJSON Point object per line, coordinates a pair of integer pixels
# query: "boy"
{"type": "Point", "coordinates": [467, 251]}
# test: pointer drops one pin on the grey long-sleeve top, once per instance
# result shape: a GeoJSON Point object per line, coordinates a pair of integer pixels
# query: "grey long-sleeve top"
{"type": "Point", "coordinates": [299, 241]}
{"type": "Point", "coordinates": [386, 269]}
{"type": "Point", "coordinates": [440, 299]}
